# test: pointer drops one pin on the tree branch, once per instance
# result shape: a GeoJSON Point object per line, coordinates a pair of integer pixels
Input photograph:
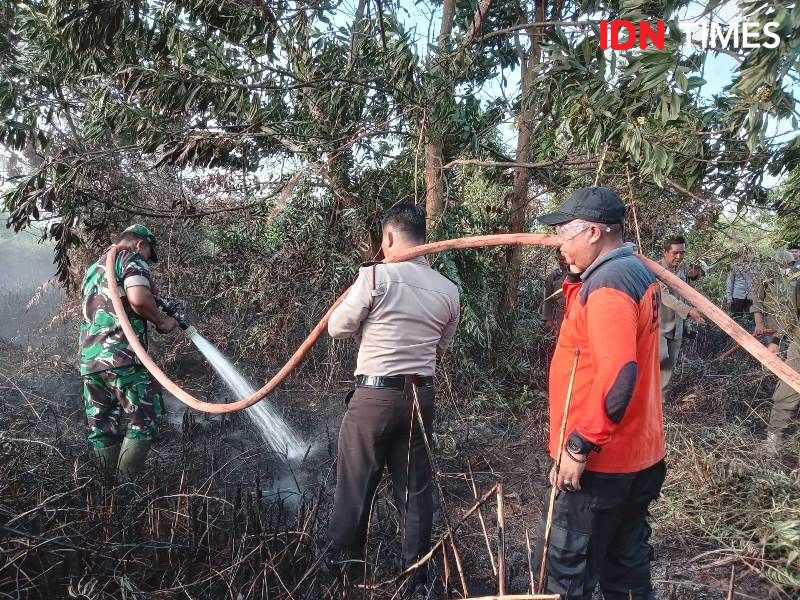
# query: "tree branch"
{"type": "Point", "coordinates": [477, 22]}
{"type": "Point", "coordinates": [535, 25]}
{"type": "Point", "coordinates": [512, 164]}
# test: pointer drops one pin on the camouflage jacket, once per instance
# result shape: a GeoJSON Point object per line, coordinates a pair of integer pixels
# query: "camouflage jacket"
{"type": "Point", "coordinates": [777, 298]}
{"type": "Point", "coordinates": [102, 343]}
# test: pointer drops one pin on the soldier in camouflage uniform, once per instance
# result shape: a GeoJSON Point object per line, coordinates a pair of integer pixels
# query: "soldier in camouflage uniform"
{"type": "Point", "coordinates": [777, 306]}
{"type": "Point", "coordinates": [114, 379]}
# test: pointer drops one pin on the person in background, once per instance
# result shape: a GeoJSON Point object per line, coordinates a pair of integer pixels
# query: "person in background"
{"type": "Point", "coordinates": [794, 249]}
{"type": "Point", "coordinates": [739, 285]}
{"type": "Point", "coordinates": [697, 270]}
{"type": "Point", "coordinates": [612, 463]}
{"type": "Point", "coordinates": [674, 311]}
{"type": "Point", "coordinates": [553, 305]}
{"type": "Point", "coordinates": [777, 309]}
{"type": "Point", "coordinates": [114, 380]}
{"type": "Point", "coordinates": [404, 315]}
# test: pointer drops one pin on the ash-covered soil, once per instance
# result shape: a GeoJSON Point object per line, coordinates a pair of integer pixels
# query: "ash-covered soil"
{"type": "Point", "coordinates": [202, 456]}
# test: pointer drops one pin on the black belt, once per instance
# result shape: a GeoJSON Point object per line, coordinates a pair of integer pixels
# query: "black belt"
{"type": "Point", "coordinates": [395, 382]}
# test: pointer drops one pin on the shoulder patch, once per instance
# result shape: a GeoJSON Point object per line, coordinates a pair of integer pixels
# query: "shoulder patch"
{"type": "Point", "coordinates": [626, 274]}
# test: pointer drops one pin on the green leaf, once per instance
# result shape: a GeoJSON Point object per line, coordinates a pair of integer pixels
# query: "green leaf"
{"type": "Point", "coordinates": [654, 77]}
{"type": "Point", "coordinates": [696, 82]}
{"type": "Point", "coordinates": [660, 156]}
{"type": "Point", "coordinates": [675, 106]}
{"type": "Point", "coordinates": [636, 143]}
{"type": "Point", "coordinates": [187, 105]}
{"type": "Point", "coordinates": [682, 81]}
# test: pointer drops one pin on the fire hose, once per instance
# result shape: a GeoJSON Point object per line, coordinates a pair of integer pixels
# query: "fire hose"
{"type": "Point", "coordinates": [703, 304]}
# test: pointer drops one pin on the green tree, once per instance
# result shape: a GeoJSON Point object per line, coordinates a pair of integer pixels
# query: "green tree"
{"type": "Point", "coordinates": [106, 94]}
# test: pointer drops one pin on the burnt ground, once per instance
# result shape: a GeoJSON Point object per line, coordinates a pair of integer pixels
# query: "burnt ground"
{"type": "Point", "coordinates": [503, 447]}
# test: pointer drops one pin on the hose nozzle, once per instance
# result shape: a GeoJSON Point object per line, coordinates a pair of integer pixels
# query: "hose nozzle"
{"type": "Point", "coordinates": [177, 310]}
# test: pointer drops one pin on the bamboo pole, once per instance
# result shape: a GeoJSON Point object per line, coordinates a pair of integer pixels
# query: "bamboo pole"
{"type": "Point", "coordinates": [633, 209]}
{"type": "Point", "coordinates": [482, 522]}
{"type": "Point", "coordinates": [600, 165]}
{"type": "Point", "coordinates": [530, 560]}
{"type": "Point", "coordinates": [501, 543]}
{"type": "Point", "coordinates": [411, 568]}
{"type": "Point", "coordinates": [554, 488]}
{"type": "Point", "coordinates": [730, 585]}
{"type": "Point", "coordinates": [456, 556]}
{"type": "Point", "coordinates": [446, 568]}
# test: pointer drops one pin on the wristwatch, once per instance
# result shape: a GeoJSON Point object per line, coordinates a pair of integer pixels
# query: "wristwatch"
{"type": "Point", "coordinates": [577, 445]}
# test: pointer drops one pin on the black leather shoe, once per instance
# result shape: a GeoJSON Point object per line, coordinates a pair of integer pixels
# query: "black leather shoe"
{"type": "Point", "coordinates": [342, 564]}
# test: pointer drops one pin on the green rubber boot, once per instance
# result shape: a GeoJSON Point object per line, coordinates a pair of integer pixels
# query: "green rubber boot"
{"type": "Point", "coordinates": [108, 457]}
{"type": "Point", "coordinates": [131, 458]}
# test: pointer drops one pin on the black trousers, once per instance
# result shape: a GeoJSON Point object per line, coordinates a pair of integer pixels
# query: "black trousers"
{"type": "Point", "coordinates": [375, 432]}
{"type": "Point", "coordinates": [740, 306]}
{"type": "Point", "coordinates": [600, 534]}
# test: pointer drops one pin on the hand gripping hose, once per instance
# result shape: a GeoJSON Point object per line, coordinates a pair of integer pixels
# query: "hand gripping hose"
{"type": "Point", "coordinates": [742, 337]}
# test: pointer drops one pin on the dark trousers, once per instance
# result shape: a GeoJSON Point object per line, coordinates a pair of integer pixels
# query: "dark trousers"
{"type": "Point", "coordinates": [740, 306]}
{"type": "Point", "coordinates": [375, 432]}
{"type": "Point", "coordinates": [599, 534]}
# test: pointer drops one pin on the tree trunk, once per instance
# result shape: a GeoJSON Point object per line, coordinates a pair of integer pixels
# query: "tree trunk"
{"type": "Point", "coordinates": [448, 12]}
{"type": "Point", "coordinates": [522, 175]}
{"type": "Point", "coordinates": [356, 34]}
{"type": "Point", "coordinates": [434, 188]}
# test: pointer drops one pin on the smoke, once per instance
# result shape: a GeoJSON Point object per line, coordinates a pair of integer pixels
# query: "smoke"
{"type": "Point", "coordinates": [29, 299]}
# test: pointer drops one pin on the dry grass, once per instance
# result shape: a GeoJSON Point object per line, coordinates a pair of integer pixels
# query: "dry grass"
{"type": "Point", "coordinates": [721, 493]}
{"type": "Point", "coordinates": [197, 526]}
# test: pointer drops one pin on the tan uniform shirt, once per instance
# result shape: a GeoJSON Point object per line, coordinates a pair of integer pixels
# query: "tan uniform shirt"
{"type": "Point", "coordinates": [777, 298]}
{"type": "Point", "coordinates": [673, 309]}
{"type": "Point", "coordinates": [402, 317]}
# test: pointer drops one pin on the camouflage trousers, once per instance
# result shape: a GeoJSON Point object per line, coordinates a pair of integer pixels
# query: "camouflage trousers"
{"type": "Point", "coordinates": [107, 394]}
{"type": "Point", "coordinates": [785, 401]}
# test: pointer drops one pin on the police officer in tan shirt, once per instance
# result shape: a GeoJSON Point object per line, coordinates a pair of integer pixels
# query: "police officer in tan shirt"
{"type": "Point", "coordinates": [404, 314]}
{"type": "Point", "coordinates": [674, 311]}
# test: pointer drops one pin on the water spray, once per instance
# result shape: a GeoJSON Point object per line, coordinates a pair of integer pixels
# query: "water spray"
{"type": "Point", "coordinates": [275, 431]}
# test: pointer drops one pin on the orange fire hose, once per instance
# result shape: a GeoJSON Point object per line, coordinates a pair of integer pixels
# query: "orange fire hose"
{"type": "Point", "coordinates": [728, 325]}
{"type": "Point", "coordinates": [735, 347]}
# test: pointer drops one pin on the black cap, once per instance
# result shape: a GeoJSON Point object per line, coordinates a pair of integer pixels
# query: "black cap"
{"type": "Point", "coordinates": [595, 204]}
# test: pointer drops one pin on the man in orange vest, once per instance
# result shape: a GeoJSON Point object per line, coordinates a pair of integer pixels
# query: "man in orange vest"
{"type": "Point", "coordinates": [612, 463]}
